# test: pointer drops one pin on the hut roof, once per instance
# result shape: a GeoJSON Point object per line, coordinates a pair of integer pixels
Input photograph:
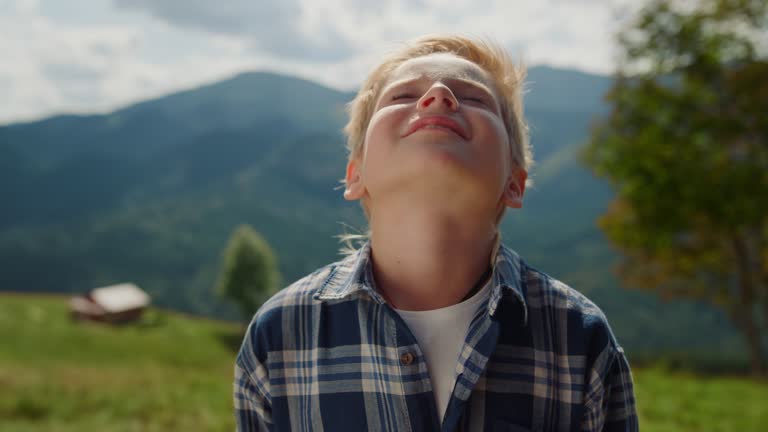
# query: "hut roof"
{"type": "Point", "coordinates": [121, 297]}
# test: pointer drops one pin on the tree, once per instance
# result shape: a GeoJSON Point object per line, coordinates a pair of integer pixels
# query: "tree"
{"type": "Point", "coordinates": [249, 272]}
{"type": "Point", "coordinates": [685, 146]}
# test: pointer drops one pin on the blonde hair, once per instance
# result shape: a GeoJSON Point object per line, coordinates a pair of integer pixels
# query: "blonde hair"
{"type": "Point", "coordinates": [507, 77]}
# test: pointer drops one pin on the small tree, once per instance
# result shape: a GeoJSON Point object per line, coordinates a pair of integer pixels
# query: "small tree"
{"type": "Point", "coordinates": [686, 147]}
{"type": "Point", "coordinates": [249, 273]}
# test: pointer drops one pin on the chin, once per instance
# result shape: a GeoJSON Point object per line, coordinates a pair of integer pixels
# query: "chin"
{"type": "Point", "coordinates": [430, 146]}
{"type": "Point", "coordinates": [443, 171]}
{"type": "Point", "coordinates": [435, 167]}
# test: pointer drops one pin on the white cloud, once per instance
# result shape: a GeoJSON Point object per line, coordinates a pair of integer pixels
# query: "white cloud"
{"type": "Point", "coordinates": [50, 66]}
{"type": "Point", "coordinates": [94, 55]}
{"type": "Point", "coordinates": [271, 26]}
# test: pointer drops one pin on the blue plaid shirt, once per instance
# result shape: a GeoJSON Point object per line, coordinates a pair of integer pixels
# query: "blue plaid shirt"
{"type": "Point", "coordinates": [328, 353]}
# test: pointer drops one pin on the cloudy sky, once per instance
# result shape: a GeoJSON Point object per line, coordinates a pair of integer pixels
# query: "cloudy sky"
{"type": "Point", "coordinates": [96, 55]}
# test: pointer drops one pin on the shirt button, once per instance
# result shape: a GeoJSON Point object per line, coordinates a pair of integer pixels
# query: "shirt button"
{"type": "Point", "coordinates": [406, 358]}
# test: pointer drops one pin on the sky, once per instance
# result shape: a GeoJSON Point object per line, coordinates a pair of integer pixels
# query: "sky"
{"type": "Point", "coordinates": [87, 56]}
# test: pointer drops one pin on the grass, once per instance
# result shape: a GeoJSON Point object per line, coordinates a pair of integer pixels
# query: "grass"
{"type": "Point", "coordinates": [168, 372]}
{"type": "Point", "coordinates": [679, 401]}
{"type": "Point", "coordinates": [171, 372]}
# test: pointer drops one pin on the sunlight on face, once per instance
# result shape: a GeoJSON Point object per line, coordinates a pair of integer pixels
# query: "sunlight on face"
{"type": "Point", "coordinates": [468, 79]}
{"type": "Point", "coordinates": [436, 133]}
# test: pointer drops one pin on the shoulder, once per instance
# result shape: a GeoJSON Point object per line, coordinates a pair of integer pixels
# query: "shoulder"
{"type": "Point", "coordinates": [266, 328]}
{"type": "Point", "coordinates": [303, 292]}
{"type": "Point", "coordinates": [586, 325]}
{"type": "Point", "coordinates": [546, 291]}
{"type": "Point", "coordinates": [297, 293]}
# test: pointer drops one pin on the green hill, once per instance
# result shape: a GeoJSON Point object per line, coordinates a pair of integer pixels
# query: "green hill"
{"type": "Point", "coordinates": [174, 372]}
{"type": "Point", "coordinates": [149, 194]}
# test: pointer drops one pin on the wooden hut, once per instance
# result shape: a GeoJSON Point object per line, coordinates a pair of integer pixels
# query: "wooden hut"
{"type": "Point", "coordinates": [114, 304]}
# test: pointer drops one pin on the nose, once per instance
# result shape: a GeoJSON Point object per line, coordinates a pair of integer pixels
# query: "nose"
{"type": "Point", "coordinates": [439, 96]}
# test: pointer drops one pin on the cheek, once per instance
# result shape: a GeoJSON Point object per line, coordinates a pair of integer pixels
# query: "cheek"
{"type": "Point", "coordinates": [495, 137]}
{"type": "Point", "coordinates": [383, 127]}
{"type": "Point", "coordinates": [497, 151]}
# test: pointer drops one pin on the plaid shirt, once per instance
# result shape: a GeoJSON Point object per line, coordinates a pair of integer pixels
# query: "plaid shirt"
{"type": "Point", "coordinates": [328, 353]}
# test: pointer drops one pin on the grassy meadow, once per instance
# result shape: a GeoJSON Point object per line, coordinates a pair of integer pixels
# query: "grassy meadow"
{"type": "Point", "coordinates": [172, 372]}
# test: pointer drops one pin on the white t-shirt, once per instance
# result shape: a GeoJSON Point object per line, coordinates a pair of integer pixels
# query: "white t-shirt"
{"type": "Point", "coordinates": [440, 334]}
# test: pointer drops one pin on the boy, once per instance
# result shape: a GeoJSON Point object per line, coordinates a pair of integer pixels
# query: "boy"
{"type": "Point", "coordinates": [433, 324]}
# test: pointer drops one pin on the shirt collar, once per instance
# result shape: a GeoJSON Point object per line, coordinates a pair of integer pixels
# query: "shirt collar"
{"type": "Point", "coordinates": [353, 277]}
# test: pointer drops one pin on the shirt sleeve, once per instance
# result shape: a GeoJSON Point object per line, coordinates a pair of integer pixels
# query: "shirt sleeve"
{"type": "Point", "coordinates": [610, 399]}
{"type": "Point", "coordinates": [253, 403]}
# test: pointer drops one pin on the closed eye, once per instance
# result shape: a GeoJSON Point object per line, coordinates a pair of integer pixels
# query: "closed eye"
{"type": "Point", "coordinates": [474, 99]}
{"type": "Point", "coordinates": [403, 96]}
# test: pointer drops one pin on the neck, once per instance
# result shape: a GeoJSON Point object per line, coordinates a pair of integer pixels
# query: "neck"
{"type": "Point", "coordinates": [424, 259]}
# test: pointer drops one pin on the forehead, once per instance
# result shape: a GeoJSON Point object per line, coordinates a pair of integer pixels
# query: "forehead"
{"type": "Point", "coordinates": [439, 66]}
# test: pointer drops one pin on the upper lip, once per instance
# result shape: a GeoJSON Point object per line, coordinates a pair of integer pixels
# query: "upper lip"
{"type": "Point", "coordinates": [443, 121]}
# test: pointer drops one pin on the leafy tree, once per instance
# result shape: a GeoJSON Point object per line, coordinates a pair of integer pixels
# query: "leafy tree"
{"type": "Point", "coordinates": [249, 273]}
{"type": "Point", "coordinates": [685, 146]}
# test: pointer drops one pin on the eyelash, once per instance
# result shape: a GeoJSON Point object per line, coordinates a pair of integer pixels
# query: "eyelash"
{"type": "Point", "coordinates": [402, 96]}
{"type": "Point", "coordinates": [410, 96]}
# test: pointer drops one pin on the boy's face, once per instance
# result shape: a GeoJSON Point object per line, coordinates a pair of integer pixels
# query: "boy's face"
{"type": "Point", "coordinates": [437, 134]}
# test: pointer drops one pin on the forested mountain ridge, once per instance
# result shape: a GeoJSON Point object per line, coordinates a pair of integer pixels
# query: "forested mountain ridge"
{"type": "Point", "coordinates": [149, 193]}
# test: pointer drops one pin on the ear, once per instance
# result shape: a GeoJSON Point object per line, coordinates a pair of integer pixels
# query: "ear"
{"type": "Point", "coordinates": [355, 188]}
{"type": "Point", "coordinates": [515, 188]}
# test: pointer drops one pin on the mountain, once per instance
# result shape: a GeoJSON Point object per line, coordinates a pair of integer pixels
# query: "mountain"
{"type": "Point", "coordinates": [149, 194]}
